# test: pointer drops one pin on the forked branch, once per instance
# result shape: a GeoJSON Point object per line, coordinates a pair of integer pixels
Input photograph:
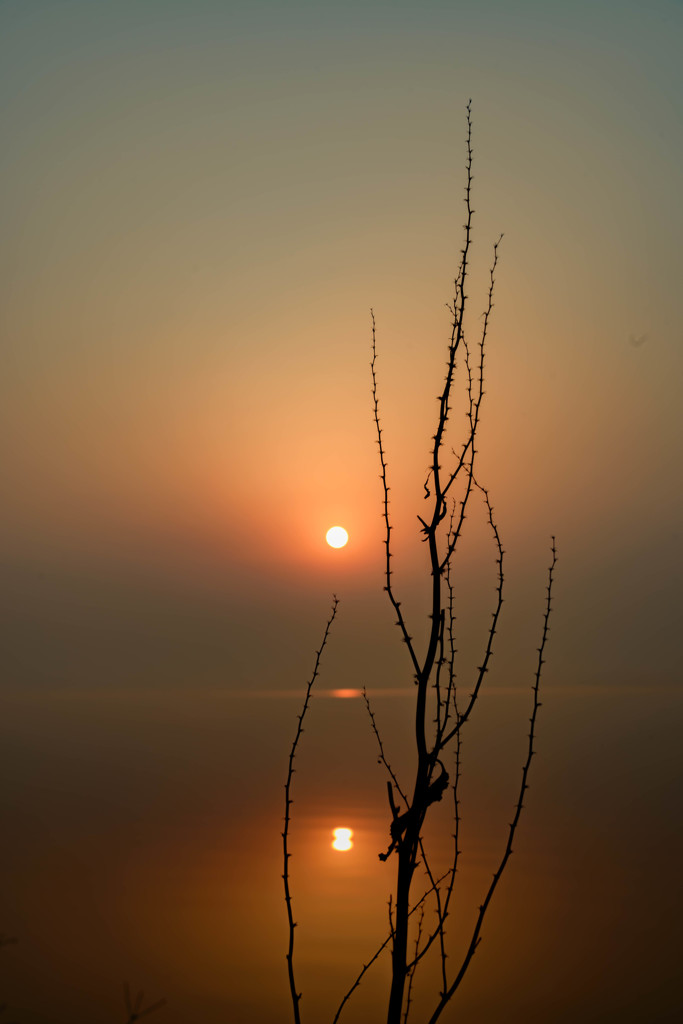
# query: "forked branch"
{"type": "Point", "coordinates": [439, 713]}
{"type": "Point", "coordinates": [134, 1005]}
{"type": "Point", "coordinates": [448, 993]}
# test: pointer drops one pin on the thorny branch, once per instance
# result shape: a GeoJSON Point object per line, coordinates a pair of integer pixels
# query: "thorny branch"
{"type": "Point", "coordinates": [407, 639]}
{"type": "Point", "coordinates": [296, 996]}
{"type": "Point", "coordinates": [413, 965]}
{"type": "Point", "coordinates": [378, 952]}
{"type": "Point", "coordinates": [439, 657]}
{"type": "Point", "coordinates": [440, 712]}
{"type": "Point", "coordinates": [447, 994]}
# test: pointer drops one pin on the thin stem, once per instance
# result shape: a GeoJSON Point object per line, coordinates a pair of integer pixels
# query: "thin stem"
{"type": "Point", "coordinates": [476, 934]}
{"type": "Point", "coordinates": [400, 622]}
{"type": "Point", "coordinates": [380, 950]}
{"type": "Point", "coordinates": [474, 403]}
{"type": "Point", "coordinates": [382, 756]}
{"type": "Point", "coordinates": [484, 667]}
{"type": "Point", "coordinates": [134, 1007]}
{"type": "Point", "coordinates": [296, 996]}
{"type": "Point", "coordinates": [411, 969]}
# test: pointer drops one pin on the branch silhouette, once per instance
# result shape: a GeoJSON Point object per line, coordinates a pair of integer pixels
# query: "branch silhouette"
{"type": "Point", "coordinates": [134, 1007]}
{"type": "Point", "coordinates": [296, 996]}
{"type": "Point", "coordinates": [451, 489]}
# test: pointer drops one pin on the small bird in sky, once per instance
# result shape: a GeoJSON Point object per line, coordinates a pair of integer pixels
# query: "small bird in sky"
{"type": "Point", "coordinates": [637, 342]}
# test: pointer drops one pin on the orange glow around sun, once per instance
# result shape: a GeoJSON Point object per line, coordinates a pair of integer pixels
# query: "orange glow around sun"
{"type": "Point", "coordinates": [342, 839]}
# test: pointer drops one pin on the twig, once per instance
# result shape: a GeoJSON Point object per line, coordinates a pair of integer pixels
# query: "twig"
{"type": "Point", "coordinates": [296, 996]}
{"type": "Point", "coordinates": [475, 404]}
{"type": "Point", "coordinates": [134, 1007]}
{"type": "Point", "coordinates": [366, 967]}
{"type": "Point", "coordinates": [400, 622]}
{"type": "Point", "coordinates": [483, 668]}
{"type": "Point", "coordinates": [476, 936]}
{"type": "Point", "coordinates": [411, 969]}
{"type": "Point", "coordinates": [382, 759]}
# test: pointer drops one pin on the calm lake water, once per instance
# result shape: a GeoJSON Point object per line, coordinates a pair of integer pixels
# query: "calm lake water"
{"type": "Point", "coordinates": [141, 842]}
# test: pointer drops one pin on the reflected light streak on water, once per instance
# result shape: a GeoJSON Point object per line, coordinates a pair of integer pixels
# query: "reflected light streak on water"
{"type": "Point", "coordinates": [145, 843]}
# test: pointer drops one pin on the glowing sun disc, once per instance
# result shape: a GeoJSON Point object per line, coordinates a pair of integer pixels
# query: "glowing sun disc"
{"type": "Point", "coordinates": [342, 839]}
{"type": "Point", "coordinates": [336, 537]}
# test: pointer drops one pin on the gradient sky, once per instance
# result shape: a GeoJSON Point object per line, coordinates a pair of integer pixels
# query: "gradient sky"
{"type": "Point", "coordinates": [201, 202]}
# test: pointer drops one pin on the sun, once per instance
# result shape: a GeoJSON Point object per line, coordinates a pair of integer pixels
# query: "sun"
{"type": "Point", "coordinates": [336, 537]}
{"type": "Point", "coordinates": [342, 839]}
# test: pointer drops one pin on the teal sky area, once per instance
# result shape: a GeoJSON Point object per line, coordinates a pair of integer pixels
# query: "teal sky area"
{"type": "Point", "coordinates": [201, 203]}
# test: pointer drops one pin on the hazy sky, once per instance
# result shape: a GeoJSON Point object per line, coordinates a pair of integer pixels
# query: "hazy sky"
{"type": "Point", "coordinates": [201, 202]}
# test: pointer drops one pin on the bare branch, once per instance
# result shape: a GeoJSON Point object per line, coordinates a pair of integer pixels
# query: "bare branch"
{"type": "Point", "coordinates": [382, 759]}
{"type": "Point", "coordinates": [296, 996]}
{"type": "Point", "coordinates": [475, 402]}
{"type": "Point", "coordinates": [483, 668]}
{"type": "Point", "coordinates": [440, 712]}
{"type": "Point", "coordinates": [439, 931]}
{"type": "Point", "coordinates": [380, 950]}
{"type": "Point", "coordinates": [134, 1007]}
{"type": "Point", "coordinates": [411, 969]}
{"type": "Point", "coordinates": [400, 622]}
{"type": "Point", "coordinates": [476, 934]}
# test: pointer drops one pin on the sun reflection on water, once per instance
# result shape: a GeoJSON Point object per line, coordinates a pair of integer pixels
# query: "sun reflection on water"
{"type": "Point", "coordinates": [342, 839]}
